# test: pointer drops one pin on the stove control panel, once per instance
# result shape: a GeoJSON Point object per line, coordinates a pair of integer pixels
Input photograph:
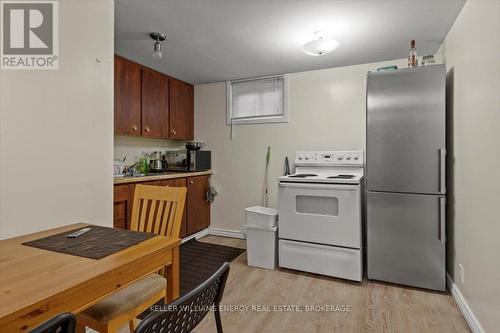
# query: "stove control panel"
{"type": "Point", "coordinates": [329, 158]}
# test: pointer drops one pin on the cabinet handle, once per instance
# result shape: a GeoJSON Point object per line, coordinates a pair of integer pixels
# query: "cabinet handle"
{"type": "Point", "coordinates": [134, 128]}
{"type": "Point", "coordinates": [174, 132]}
{"type": "Point", "coordinates": [146, 129]}
{"type": "Point", "coordinates": [191, 182]}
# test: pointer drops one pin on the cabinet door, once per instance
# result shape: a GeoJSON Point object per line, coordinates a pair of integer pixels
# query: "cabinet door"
{"type": "Point", "coordinates": [181, 110]}
{"type": "Point", "coordinates": [198, 208]}
{"type": "Point", "coordinates": [180, 182]}
{"type": "Point", "coordinates": [177, 182]}
{"type": "Point", "coordinates": [122, 206]}
{"type": "Point", "coordinates": [127, 97]}
{"type": "Point", "coordinates": [154, 104]}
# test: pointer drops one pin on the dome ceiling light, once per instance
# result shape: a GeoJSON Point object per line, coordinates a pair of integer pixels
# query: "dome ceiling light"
{"type": "Point", "coordinates": [323, 44]}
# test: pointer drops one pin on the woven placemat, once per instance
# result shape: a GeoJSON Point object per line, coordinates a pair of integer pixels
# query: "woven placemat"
{"type": "Point", "coordinates": [98, 243]}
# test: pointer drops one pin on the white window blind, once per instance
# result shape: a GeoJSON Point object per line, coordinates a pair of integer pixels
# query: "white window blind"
{"type": "Point", "coordinates": [257, 100]}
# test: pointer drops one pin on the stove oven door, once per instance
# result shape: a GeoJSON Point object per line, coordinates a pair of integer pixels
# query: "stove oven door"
{"type": "Point", "coordinates": [320, 213]}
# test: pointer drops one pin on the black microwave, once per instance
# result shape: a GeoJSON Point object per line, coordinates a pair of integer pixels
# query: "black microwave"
{"type": "Point", "coordinates": [188, 160]}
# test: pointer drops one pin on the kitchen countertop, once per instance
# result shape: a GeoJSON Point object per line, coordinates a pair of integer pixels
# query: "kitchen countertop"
{"type": "Point", "coordinates": [167, 175]}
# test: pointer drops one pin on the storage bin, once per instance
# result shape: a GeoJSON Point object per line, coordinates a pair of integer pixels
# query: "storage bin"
{"type": "Point", "coordinates": [262, 246]}
{"type": "Point", "coordinates": [262, 216]}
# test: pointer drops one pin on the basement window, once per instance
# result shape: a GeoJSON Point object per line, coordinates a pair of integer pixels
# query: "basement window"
{"type": "Point", "coordinates": [257, 101]}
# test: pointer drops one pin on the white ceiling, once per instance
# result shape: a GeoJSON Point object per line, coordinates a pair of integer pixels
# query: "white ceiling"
{"type": "Point", "coordinates": [217, 40]}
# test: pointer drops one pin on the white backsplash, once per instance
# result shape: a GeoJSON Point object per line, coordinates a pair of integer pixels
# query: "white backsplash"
{"type": "Point", "coordinates": [132, 147]}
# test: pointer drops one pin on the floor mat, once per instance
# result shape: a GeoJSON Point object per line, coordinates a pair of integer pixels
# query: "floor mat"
{"type": "Point", "coordinates": [199, 260]}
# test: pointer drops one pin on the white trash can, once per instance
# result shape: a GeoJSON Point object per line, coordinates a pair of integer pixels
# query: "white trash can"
{"type": "Point", "coordinates": [262, 237]}
{"type": "Point", "coordinates": [262, 246]}
{"type": "Point", "coordinates": [262, 216]}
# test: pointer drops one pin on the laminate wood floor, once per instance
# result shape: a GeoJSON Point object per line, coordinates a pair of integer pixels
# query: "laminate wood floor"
{"type": "Point", "coordinates": [374, 306]}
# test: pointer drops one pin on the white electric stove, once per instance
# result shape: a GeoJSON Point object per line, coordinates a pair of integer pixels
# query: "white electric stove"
{"type": "Point", "coordinates": [320, 214]}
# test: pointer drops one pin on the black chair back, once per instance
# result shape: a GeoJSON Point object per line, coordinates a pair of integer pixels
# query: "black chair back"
{"type": "Point", "coordinates": [63, 323]}
{"type": "Point", "coordinates": [185, 313]}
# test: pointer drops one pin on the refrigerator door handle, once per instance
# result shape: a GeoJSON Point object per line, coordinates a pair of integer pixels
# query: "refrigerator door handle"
{"type": "Point", "coordinates": [442, 170]}
{"type": "Point", "coordinates": [442, 219]}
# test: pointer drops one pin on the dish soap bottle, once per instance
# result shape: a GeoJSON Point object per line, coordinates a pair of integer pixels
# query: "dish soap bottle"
{"type": "Point", "coordinates": [143, 163]}
{"type": "Point", "coordinates": [412, 57]}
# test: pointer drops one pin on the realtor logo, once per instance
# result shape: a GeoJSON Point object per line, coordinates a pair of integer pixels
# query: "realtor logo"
{"type": "Point", "coordinates": [29, 33]}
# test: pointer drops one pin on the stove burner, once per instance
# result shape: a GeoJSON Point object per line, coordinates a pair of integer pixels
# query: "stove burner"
{"type": "Point", "coordinates": [341, 177]}
{"type": "Point", "coordinates": [303, 175]}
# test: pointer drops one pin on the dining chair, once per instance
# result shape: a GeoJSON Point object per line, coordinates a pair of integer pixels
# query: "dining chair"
{"type": "Point", "coordinates": [156, 209]}
{"type": "Point", "coordinates": [63, 323]}
{"type": "Point", "coordinates": [185, 313]}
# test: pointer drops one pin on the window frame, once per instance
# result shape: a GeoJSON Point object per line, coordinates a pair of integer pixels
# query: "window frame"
{"type": "Point", "coordinates": [284, 118]}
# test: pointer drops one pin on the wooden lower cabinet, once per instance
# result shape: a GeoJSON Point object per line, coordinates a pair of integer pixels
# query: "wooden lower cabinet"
{"type": "Point", "coordinates": [196, 213]}
{"type": "Point", "coordinates": [179, 182]}
{"type": "Point", "coordinates": [122, 205]}
{"type": "Point", "coordinates": [154, 183]}
{"type": "Point", "coordinates": [198, 208]}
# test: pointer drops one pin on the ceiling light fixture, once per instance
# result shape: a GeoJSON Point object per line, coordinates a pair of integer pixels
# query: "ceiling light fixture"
{"type": "Point", "coordinates": [157, 37]}
{"type": "Point", "coordinates": [323, 44]}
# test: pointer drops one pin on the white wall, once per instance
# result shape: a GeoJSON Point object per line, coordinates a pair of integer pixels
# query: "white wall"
{"type": "Point", "coordinates": [327, 111]}
{"type": "Point", "coordinates": [133, 147]}
{"type": "Point", "coordinates": [56, 129]}
{"type": "Point", "coordinates": [471, 53]}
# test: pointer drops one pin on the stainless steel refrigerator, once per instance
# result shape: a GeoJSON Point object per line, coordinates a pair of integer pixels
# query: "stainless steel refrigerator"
{"type": "Point", "coordinates": [405, 176]}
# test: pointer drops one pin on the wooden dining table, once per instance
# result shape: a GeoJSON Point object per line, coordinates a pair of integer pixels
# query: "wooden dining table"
{"type": "Point", "coordinates": [36, 284]}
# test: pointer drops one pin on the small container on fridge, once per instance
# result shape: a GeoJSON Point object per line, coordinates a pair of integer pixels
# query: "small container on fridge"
{"type": "Point", "coordinates": [428, 60]}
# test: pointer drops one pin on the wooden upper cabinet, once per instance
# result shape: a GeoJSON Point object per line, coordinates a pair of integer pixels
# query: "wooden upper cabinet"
{"type": "Point", "coordinates": [152, 104]}
{"type": "Point", "coordinates": [198, 208]}
{"type": "Point", "coordinates": [155, 105]}
{"type": "Point", "coordinates": [127, 97]}
{"type": "Point", "coordinates": [181, 110]}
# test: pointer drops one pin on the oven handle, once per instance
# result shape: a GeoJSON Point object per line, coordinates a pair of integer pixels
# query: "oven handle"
{"type": "Point", "coordinates": [321, 186]}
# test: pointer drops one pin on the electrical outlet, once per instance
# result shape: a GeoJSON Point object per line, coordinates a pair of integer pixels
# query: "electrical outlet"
{"type": "Point", "coordinates": [461, 272]}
